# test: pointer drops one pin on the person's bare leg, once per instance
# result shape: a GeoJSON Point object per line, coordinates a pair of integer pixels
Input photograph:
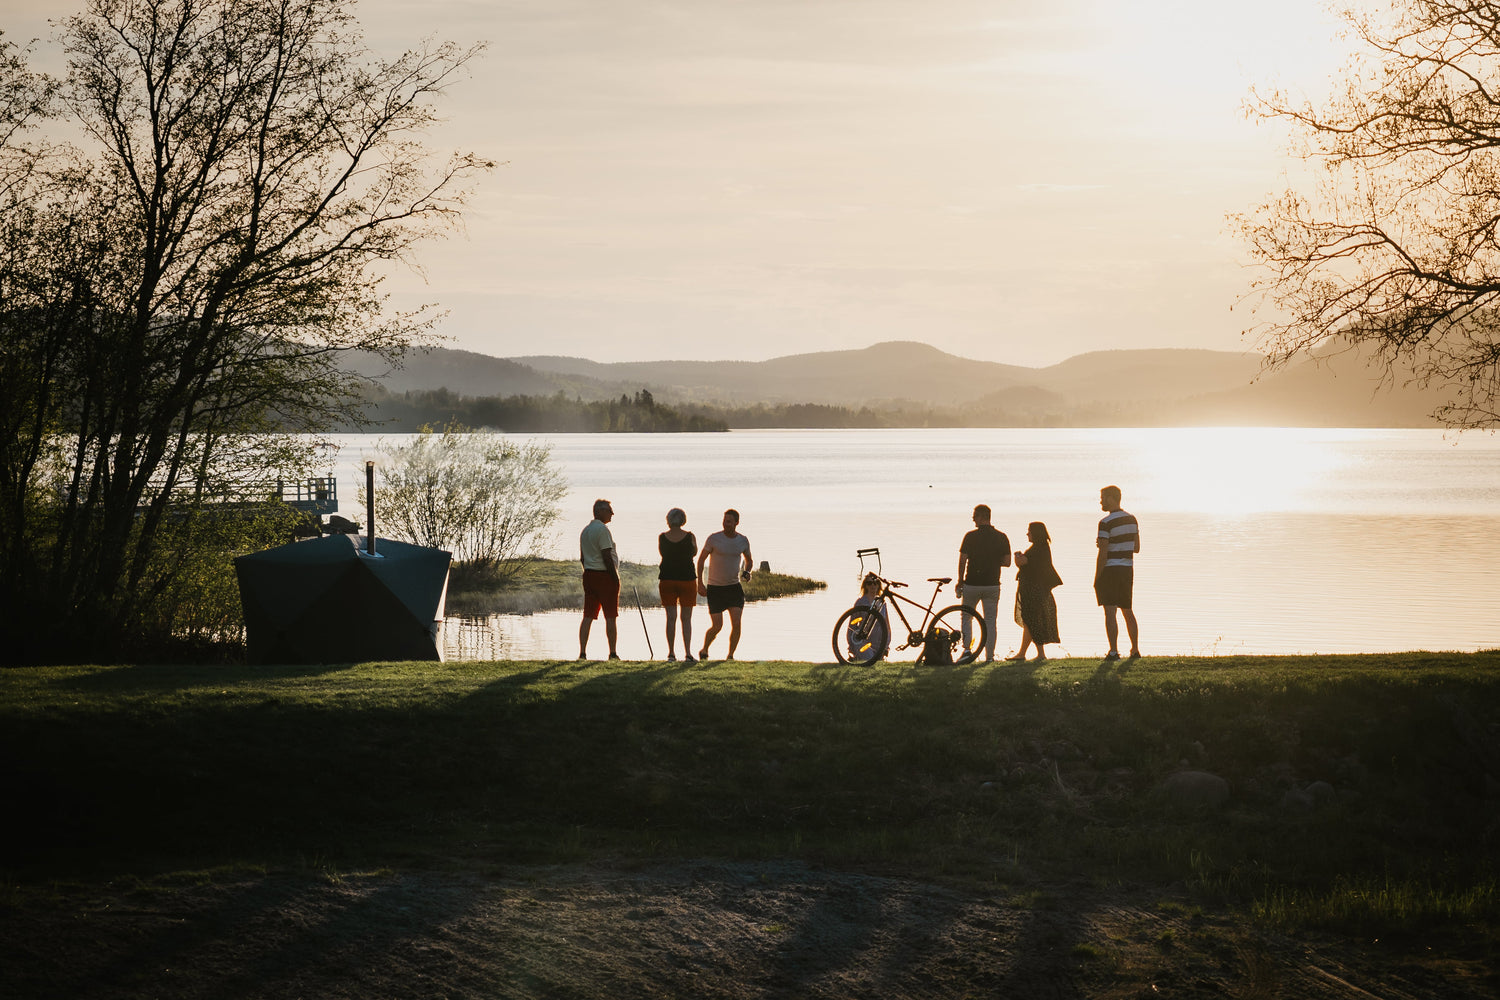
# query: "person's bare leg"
{"type": "Point", "coordinates": [1041, 653]}
{"type": "Point", "coordinates": [1132, 630]}
{"type": "Point", "coordinates": [671, 607]}
{"type": "Point", "coordinates": [1112, 630]}
{"type": "Point", "coordinates": [734, 630]}
{"type": "Point", "coordinates": [1025, 645]}
{"type": "Point", "coordinates": [611, 633]}
{"type": "Point", "coordinates": [687, 631]}
{"type": "Point", "coordinates": [716, 625]}
{"type": "Point", "coordinates": [583, 638]}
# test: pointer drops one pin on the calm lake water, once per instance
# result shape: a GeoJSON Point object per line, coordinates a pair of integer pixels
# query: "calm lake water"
{"type": "Point", "coordinates": [1279, 540]}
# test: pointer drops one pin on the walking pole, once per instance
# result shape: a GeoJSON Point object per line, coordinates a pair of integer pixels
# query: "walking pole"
{"type": "Point", "coordinates": [643, 620]}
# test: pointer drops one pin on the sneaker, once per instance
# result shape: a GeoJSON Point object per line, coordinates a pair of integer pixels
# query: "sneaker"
{"type": "Point", "coordinates": [614, 656]}
{"type": "Point", "coordinates": [1111, 656]}
{"type": "Point", "coordinates": [671, 657]}
{"type": "Point", "coordinates": [688, 658]}
{"type": "Point", "coordinates": [1135, 654]}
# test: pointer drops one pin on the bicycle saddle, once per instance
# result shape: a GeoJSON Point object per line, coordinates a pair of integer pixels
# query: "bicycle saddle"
{"type": "Point", "coordinates": [940, 579]}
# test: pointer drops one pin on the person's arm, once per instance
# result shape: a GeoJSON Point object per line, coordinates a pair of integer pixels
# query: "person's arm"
{"type": "Point", "coordinates": [611, 563]}
{"type": "Point", "coordinates": [1020, 559]}
{"type": "Point", "coordinates": [702, 556]}
{"type": "Point", "coordinates": [749, 562]}
{"type": "Point", "coordinates": [963, 563]}
{"type": "Point", "coordinates": [1103, 557]}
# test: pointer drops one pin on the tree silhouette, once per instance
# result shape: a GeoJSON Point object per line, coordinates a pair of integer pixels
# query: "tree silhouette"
{"type": "Point", "coordinates": [189, 279]}
{"type": "Point", "coordinates": [1394, 250]}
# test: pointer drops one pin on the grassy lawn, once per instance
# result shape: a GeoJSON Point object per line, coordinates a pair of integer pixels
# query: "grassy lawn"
{"type": "Point", "coordinates": [1007, 775]}
{"type": "Point", "coordinates": [548, 584]}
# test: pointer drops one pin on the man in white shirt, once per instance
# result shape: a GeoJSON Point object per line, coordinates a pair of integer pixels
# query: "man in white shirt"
{"type": "Point", "coordinates": [723, 551]}
{"type": "Point", "coordinates": [601, 578]}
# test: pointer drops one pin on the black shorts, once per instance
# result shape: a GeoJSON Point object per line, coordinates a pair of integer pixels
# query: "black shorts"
{"type": "Point", "coordinates": [1113, 586]}
{"type": "Point", "coordinates": [719, 598]}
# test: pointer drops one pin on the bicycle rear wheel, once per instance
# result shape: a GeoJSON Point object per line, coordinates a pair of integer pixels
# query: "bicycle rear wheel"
{"type": "Point", "coordinates": [958, 621]}
{"type": "Point", "coordinates": [861, 636]}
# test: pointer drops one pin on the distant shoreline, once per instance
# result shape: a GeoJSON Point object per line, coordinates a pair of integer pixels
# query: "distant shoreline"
{"type": "Point", "coordinates": [556, 585]}
{"type": "Point", "coordinates": [894, 385]}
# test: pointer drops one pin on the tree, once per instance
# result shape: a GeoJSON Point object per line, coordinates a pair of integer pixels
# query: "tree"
{"type": "Point", "coordinates": [1396, 252]}
{"type": "Point", "coordinates": [188, 282]}
{"type": "Point", "coordinates": [487, 500]}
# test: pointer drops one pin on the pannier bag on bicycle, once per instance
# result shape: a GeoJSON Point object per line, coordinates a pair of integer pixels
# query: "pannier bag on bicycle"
{"type": "Point", "coordinates": [937, 648]}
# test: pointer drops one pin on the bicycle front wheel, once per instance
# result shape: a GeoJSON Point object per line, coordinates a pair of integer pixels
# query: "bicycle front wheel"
{"type": "Point", "coordinates": [861, 636]}
{"type": "Point", "coordinates": [963, 630]}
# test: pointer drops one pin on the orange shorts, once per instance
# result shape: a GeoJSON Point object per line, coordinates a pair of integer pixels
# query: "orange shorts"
{"type": "Point", "coordinates": [682, 593]}
{"type": "Point", "coordinates": [601, 592]}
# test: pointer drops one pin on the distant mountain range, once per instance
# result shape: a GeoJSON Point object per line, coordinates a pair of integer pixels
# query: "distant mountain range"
{"type": "Point", "coordinates": [1120, 388]}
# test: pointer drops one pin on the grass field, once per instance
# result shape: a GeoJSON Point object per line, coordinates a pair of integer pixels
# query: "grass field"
{"type": "Point", "coordinates": [1004, 774]}
{"type": "Point", "coordinates": [753, 830]}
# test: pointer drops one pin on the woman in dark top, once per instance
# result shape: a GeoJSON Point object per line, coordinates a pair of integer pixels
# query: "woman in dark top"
{"type": "Point", "coordinates": [678, 580]}
{"type": "Point", "coordinates": [1036, 611]}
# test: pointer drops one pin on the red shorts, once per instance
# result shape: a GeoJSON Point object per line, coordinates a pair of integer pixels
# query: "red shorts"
{"type": "Point", "coordinates": [601, 592]}
{"type": "Point", "coordinates": [682, 593]}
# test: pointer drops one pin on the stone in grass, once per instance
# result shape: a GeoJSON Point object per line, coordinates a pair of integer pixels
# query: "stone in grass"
{"type": "Point", "coordinates": [1192, 791]}
{"type": "Point", "coordinates": [1314, 796]}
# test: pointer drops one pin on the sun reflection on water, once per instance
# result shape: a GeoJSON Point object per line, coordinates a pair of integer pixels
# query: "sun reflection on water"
{"type": "Point", "coordinates": [1232, 470]}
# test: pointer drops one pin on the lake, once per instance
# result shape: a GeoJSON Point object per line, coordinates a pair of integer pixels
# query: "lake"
{"type": "Point", "coordinates": [1253, 540]}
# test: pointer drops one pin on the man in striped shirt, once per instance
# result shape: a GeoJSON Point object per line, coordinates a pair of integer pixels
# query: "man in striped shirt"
{"type": "Point", "coordinates": [1114, 574]}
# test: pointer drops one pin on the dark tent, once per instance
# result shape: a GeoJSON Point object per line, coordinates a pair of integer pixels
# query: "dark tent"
{"type": "Point", "coordinates": [328, 601]}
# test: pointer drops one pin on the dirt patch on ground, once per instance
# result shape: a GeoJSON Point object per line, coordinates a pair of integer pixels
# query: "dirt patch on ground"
{"type": "Point", "coordinates": [688, 930]}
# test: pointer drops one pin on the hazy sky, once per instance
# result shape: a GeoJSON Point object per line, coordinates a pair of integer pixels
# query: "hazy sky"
{"type": "Point", "coordinates": [1007, 180]}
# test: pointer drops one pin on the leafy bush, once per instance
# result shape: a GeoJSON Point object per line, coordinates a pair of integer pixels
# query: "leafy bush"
{"type": "Point", "coordinates": [487, 500]}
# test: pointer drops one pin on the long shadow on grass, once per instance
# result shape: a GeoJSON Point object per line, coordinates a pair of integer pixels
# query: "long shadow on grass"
{"type": "Point", "coordinates": [155, 678]}
{"type": "Point", "coordinates": [555, 761]}
{"type": "Point", "coordinates": [872, 933]}
{"type": "Point", "coordinates": [285, 935]}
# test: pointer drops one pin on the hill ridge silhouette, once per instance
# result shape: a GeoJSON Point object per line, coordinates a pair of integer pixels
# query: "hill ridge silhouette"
{"type": "Point", "coordinates": [1111, 387]}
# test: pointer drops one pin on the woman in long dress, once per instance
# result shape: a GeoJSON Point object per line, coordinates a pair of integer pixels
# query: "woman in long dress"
{"type": "Point", "coordinates": [1036, 611]}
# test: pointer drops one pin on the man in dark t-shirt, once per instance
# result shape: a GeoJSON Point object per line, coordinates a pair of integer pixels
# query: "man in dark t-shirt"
{"type": "Point", "coordinates": [981, 556]}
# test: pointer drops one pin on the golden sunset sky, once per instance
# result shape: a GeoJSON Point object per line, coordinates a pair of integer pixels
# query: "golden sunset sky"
{"type": "Point", "coordinates": [1010, 181]}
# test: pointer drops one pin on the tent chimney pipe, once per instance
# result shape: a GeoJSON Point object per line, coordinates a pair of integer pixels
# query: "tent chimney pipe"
{"type": "Point", "coordinates": [370, 507]}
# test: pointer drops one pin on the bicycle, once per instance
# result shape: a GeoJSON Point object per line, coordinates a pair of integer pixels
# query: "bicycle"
{"type": "Point", "coordinates": [953, 635]}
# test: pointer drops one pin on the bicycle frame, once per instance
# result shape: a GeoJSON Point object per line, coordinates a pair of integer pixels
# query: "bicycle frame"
{"type": "Point", "coordinates": [914, 636]}
{"type": "Point", "coordinates": [951, 635]}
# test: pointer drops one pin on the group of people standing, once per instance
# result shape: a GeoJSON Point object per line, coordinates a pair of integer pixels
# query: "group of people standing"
{"type": "Point", "coordinates": [718, 572]}
{"type": "Point", "coordinates": [985, 551]}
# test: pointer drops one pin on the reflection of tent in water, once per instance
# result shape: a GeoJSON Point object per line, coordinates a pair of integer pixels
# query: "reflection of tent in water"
{"type": "Point", "coordinates": [328, 601]}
